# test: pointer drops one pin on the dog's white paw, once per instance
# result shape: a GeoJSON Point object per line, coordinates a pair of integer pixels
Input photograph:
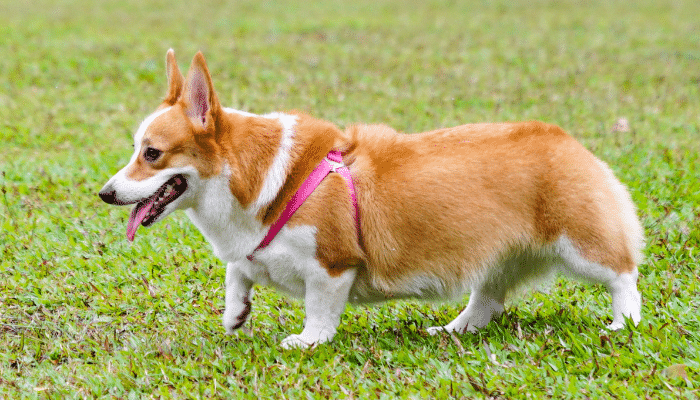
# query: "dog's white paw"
{"type": "Point", "coordinates": [619, 323]}
{"type": "Point", "coordinates": [235, 317]}
{"type": "Point", "coordinates": [615, 326]}
{"type": "Point", "coordinates": [296, 342]}
{"type": "Point", "coordinates": [434, 330]}
{"type": "Point", "coordinates": [308, 338]}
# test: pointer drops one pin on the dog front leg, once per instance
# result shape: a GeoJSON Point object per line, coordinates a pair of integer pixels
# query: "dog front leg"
{"type": "Point", "coordinates": [325, 300]}
{"type": "Point", "coordinates": [238, 296]}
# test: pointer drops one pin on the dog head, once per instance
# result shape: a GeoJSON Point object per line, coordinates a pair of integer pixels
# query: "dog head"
{"type": "Point", "coordinates": [175, 148]}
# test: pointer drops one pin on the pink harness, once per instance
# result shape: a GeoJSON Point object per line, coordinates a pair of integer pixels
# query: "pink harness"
{"type": "Point", "coordinates": [333, 162]}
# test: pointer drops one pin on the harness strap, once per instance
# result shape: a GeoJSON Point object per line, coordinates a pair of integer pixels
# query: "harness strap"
{"type": "Point", "coordinates": [333, 162]}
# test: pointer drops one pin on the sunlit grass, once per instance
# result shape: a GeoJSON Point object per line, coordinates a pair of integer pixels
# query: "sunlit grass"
{"type": "Point", "coordinates": [85, 314]}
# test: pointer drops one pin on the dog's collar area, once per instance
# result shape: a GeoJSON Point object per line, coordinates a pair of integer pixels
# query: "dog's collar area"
{"type": "Point", "coordinates": [333, 162]}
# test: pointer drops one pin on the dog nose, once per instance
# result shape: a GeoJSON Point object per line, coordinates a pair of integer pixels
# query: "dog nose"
{"type": "Point", "coordinates": [109, 197]}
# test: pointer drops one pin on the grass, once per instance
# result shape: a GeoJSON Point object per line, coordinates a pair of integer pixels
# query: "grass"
{"type": "Point", "coordinates": [84, 314]}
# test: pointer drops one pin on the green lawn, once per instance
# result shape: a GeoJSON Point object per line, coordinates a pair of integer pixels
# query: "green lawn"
{"type": "Point", "coordinates": [85, 314]}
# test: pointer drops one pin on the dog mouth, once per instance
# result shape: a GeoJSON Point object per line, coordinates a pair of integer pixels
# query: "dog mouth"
{"type": "Point", "coordinates": [148, 210]}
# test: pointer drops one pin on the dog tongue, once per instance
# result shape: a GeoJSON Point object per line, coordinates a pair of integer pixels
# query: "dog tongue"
{"type": "Point", "coordinates": [137, 215]}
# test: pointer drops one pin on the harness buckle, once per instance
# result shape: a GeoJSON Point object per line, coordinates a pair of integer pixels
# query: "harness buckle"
{"type": "Point", "coordinates": [334, 164]}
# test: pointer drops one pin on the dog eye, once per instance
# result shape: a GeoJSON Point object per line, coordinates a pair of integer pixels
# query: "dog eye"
{"type": "Point", "coordinates": [151, 154]}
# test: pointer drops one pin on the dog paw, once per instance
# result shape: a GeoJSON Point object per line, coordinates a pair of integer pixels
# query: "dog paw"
{"type": "Point", "coordinates": [308, 338]}
{"type": "Point", "coordinates": [615, 326]}
{"type": "Point", "coordinates": [434, 330]}
{"type": "Point", "coordinates": [234, 318]}
{"type": "Point", "coordinates": [296, 342]}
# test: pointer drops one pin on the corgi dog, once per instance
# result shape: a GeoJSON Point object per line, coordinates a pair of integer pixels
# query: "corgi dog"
{"type": "Point", "coordinates": [477, 208]}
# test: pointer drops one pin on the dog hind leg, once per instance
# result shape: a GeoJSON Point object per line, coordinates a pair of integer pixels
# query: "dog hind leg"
{"type": "Point", "coordinates": [485, 302]}
{"type": "Point", "coordinates": [488, 294]}
{"type": "Point", "coordinates": [626, 300]}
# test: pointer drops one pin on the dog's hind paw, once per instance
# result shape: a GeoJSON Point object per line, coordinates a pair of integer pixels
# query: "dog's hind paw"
{"type": "Point", "coordinates": [434, 330]}
{"type": "Point", "coordinates": [615, 326]}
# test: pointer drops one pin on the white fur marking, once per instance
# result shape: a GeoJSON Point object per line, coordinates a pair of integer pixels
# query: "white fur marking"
{"type": "Point", "coordinates": [239, 112]}
{"type": "Point", "coordinates": [238, 291]}
{"type": "Point", "coordinates": [288, 261]}
{"type": "Point", "coordinates": [626, 300]}
{"type": "Point", "coordinates": [130, 191]}
{"type": "Point", "coordinates": [486, 300]}
{"type": "Point", "coordinates": [325, 300]}
{"type": "Point", "coordinates": [575, 264]}
{"type": "Point", "coordinates": [221, 219]}
{"type": "Point", "coordinates": [277, 174]}
{"type": "Point", "coordinates": [289, 264]}
{"type": "Point", "coordinates": [138, 137]}
{"type": "Point", "coordinates": [478, 313]}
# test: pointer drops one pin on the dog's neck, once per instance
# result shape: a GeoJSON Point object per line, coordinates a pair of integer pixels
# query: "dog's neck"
{"type": "Point", "coordinates": [265, 161]}
{"type": "Point", "coordinates": [273, 161]}
{"type": "Point", "coordinates": [247, 148]}
{"type": "Point", "coordinates": [222, 220]}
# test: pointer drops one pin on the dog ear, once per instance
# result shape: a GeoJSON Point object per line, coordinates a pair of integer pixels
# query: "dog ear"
{"type": "Point", "coordinates": [199, 98]}
{"type": "Point", "coordinates": [175, 79]}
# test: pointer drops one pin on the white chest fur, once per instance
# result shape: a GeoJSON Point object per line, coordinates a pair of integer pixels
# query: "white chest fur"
{"type": "Point", "coordinates": [233, 233]}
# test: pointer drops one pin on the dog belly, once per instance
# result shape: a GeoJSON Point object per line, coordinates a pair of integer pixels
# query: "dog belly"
{"type": "Point", "coordinates": [514, 268]}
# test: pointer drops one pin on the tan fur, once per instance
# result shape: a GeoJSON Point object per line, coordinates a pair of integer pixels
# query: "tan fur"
{"type": "Point", "coordinates": [313, 140]}
{"type": "Point", "coordinates": [247, 145]}
{"type": "Point", "coordinates": [480, 208]}
{"type": "Point", "coordinates": [180, 145]}
{"type": "Point", "coordinates": [175, 79]}
{"type": "Point", "coordinates": [445, 203]}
